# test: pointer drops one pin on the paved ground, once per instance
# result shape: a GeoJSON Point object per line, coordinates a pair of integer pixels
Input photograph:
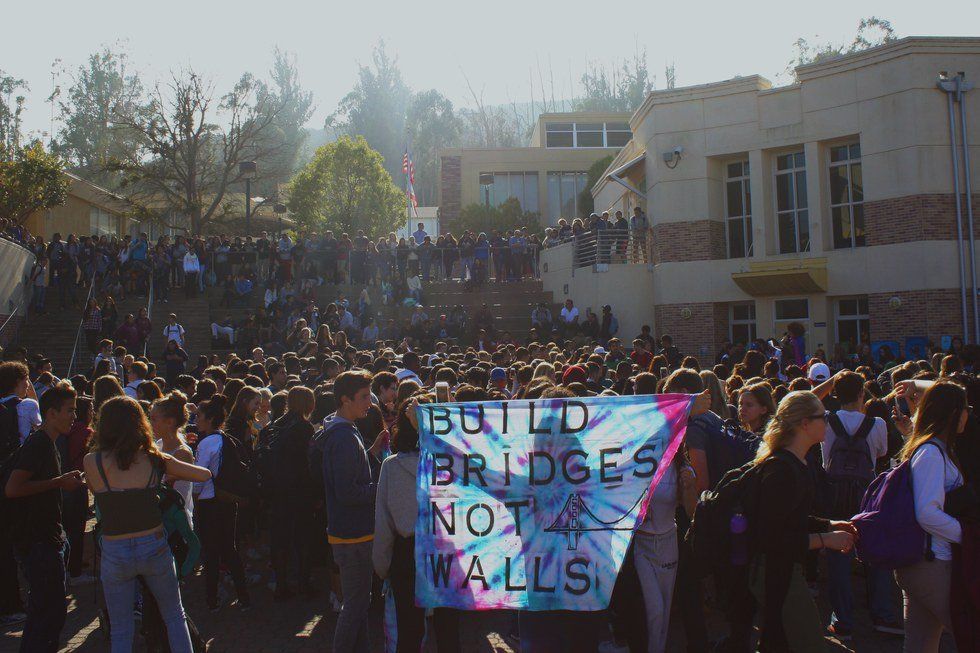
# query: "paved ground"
{"type": "Point", "coordinates": [306, 625]}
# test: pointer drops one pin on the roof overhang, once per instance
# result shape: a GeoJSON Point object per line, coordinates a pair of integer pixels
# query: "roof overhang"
{"type": "Point", "coordinates": [616, 174]}
{"type": "Point", "coordinates": [796, 277]}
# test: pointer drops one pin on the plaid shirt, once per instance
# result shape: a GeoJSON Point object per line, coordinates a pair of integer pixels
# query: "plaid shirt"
{"type": "Point", "coordinates": [93, 322]}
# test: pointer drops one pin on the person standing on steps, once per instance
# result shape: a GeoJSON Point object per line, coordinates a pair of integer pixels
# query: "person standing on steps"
{"type": "Point", "coordinates": [173, 331]}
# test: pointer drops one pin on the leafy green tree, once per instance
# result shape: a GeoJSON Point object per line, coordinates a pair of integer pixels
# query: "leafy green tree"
{"type": "Point", "coordinates": [432, 125]}
{"type": "Point", "coordinates": [345, 188]}
{"type": "Point", "coordinates": [33, 180]}
{"type": "Point", "coordinates": [89, 141]}
{"type": "Point", "coordinates": [506, 217]}
{"type": "Point", "coordinates": [10, 114]}
{"type": "Point", "coordinates": [617, 89]}
{"type": "Point", "coordinates": [286, 136]}
{"type": "Point", "coordinates": [586, 202]}
{"type": "Point", "coordinates": [189, 145]}
{"type": "Point", "coordinates": [871, 32]}
{"type": "Point", "coordinates": [375, 109]}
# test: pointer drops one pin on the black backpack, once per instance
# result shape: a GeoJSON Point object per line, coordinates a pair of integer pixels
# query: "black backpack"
{"type": "Point", "coordinates": [850, 467]}
{"type": "Point", "coordinates": [9, 429]}
{"type": "Point", "coordinates": [235, 482]}
{"type": "Point", "coordinates": [727, 446]}
{"type": "Point", "coordinates": [710, 537]}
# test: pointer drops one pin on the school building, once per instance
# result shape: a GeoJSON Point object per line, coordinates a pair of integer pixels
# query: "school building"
{"type": "Point", "coordinates": [547, 177]}
{"type": "Point", "coordinates": [831, 202]}
{"type": "Point", "coordinates": [89, 210]}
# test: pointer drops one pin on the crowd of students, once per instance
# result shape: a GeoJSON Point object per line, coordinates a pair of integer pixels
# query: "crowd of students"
{"type": "Point", "coordinates": [308, 456]}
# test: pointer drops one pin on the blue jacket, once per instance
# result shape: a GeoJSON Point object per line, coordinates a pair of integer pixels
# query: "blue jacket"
{"type": "Point", "coordinates": [347, 484]}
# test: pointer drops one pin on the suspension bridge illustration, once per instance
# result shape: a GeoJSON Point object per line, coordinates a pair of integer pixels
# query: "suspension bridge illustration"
{"type": "Point", "coordinates": [576, 518]}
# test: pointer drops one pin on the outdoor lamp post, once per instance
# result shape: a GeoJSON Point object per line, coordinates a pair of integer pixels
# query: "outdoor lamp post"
{"type": "Point", "coordinates": [247, 169]}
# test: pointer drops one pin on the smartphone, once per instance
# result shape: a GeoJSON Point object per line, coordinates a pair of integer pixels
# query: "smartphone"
{"type": "Point", "coordinates": [663, 372]}
{"type": "Point", "coordinates": [442, 392]}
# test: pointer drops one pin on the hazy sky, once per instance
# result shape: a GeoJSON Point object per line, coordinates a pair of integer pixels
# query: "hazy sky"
{"type": "Point", "coordinates": [496, 43]}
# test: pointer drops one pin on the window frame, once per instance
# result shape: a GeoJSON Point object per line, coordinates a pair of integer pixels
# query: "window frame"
{"type": "Point", "coordinates": [559, 175]}
{"type": "Point", "coordinates": [848, 165]}
{"type": "Point", "coordinates": [751, 323]}
{"type": "Point", "coordinates": [604, 130]}
{"type": "Point", "coordinates": [857, 317]}
{"type": "Point", "coordinates": [745, 181]}
{"type": "Point", "coordinates": [792, 173]}
{"type": "Point", "coordinates": [525, 175]}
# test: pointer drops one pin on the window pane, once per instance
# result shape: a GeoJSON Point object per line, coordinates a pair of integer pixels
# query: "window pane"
{"type": "Point", "coordinates": [734, 170]}
{"type": "Point", "coordinates": [588, 127]}
{"type": "Point", "coordinates": [554, 198]}
{"type": "Point", "coordinates": [741, 312]}
{"type": "Point", "coordinates": [847, 307]}
{"type": "Point", "coordinates": [803, 230]}
{"type": "Point", "coordinates": [784, 192]}
{"type": "Point", "coordinates": [855, 151]}
{"type": "Point", "coordinates": [558, 127]}
{"type": "Point", "coordinates": [748, 234]}
{"type": "Point", "coordinates": [857, 211]}
{"type": "Point", "coordinates": [857, 183]}
{"type": "Point", "coordinates": [530, 202]}
{"type": "Point", "coordinates": [842, 226]}
{"type": "Point", "coordinates": [799, 160]}
{"type": "Point", "coordinates": [801, 190]}
{"type": "Point", "coordinates": [736, 241]}
{"type": "Point", "coordinates": [863, 305]}
{"type": "Point", "coordinates": [589, 139]}
{"type": "Point", "coordinates": [734, 198]}
{"type": "Point", "coordinates": [787, 233]}
{"type": "Point", "coordinates": [559, 139]}
{"type": "Point", "coordinates": [784, 162]}
{"type": "Point", "coordinates": [838, 185]}
{"type": "Point", "coordinates": [617, 139]}
{"type": "Point", "coordinates": [792, 309]}
{"type": "Point", "coordinates": [568, 196]}
{"type": "Point", "coordinates": [517, 187]}
{"type": "Point", "coordinates": [838, 153]}
{"type": "Point", "coordinates": [617, 126]}
{"type": "Point", "coordinates": [581, 179]}
{"type": "Point", "coordinates": [847, 331]}
{"type": "Point", "coordinates": [741, 334]}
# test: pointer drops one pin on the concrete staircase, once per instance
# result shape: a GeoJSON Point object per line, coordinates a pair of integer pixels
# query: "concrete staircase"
{"type": "Point", "coordinates": [54, 334]}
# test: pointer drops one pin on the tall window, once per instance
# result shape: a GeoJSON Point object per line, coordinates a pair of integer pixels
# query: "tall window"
{"type": "Point", "coordinates": [738, 210]}
{"type": "Point", "coordinates": [587, 134]}
{"type": "Point", "coordinates": [847, 196]}
{"type": "Point", "coordinates": [853, 323]}
{"type": "Point", "coordinates": [741, 323]}
{"type": "Point", "coordinates": [101, 222]}
{"type": "Point", "coordinates": [792, 217]}
{"type": "Point", "coordinates": [497, 187]}
{"type": "Point", "coordinates": [563, 195]}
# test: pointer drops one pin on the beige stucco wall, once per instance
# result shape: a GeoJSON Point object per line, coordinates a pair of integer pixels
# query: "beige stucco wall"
{"type": "Point", "coordinates": [628, 289]}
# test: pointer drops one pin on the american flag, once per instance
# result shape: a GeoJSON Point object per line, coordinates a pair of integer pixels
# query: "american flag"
{"type": "Point", "coordinates": [408, 169]}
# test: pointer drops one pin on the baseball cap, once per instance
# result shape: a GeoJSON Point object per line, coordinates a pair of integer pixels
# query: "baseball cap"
{"type": "Point", "coordinates": [404, 374]}
{"type": "Point", "coordinates": [818, 372]}
{"type": "Point", "coordinates": [498, 374]}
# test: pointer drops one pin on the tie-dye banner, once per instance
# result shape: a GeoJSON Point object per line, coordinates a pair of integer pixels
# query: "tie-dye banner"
{"type": "Point", "coordinates": [531, 504]}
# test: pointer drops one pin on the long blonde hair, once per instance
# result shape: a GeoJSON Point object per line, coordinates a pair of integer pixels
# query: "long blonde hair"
{"type": "Point", "coordinates": [938, 416]}
{"type": "Point", "coordinates": [781, 429]}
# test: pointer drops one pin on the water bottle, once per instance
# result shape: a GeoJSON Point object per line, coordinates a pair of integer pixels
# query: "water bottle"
{"type": "Point", "coordinates": [738, 526]}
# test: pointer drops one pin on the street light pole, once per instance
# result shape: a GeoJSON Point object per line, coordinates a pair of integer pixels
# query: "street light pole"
{"type": "Point", "coordinates": [247, 170]}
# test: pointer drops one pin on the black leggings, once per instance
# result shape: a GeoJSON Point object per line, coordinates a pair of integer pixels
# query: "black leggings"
{"type": "Point", "coordinates": [216, 526]}
{"type": "Point", "coordinates": [411, 619]}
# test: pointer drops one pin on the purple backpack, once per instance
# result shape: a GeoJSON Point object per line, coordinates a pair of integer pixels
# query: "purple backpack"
{"type": "Point", "coordinates": [889, 537]}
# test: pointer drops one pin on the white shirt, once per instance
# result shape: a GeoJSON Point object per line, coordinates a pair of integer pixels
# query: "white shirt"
{"type": "Point", "coordinates": [931, 480]}
{"type": "Point", "coordinates": [191, 263]}
{"type": "Point", "coordinates": [174, 332]}
{"type": "Point", "coordinates": [569, 315]}
{"type": "Point", "coordinates": [182, 487]}
{"type": "Point", "coordinates": [851, 419]}
{"type": "Point", "coordinates": [208, 455]}
{"type": "Point", "coordinates": [663, 505]}
{"type": "Point", "coordinates": [346, 320]}
{"type": "Point", "coordinates": [130, 388]}
{"type": "Point", "coordinates": [28, 416]}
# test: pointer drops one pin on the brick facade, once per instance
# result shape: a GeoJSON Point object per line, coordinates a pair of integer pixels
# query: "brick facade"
{"type": "Point", "coordinates": [697, 240]}
{"type": "Point", "coordinates": [915, 217]}
{"type": "Point", "coordinates": [450, 191]}
{"type": "Point", "coordinates": [929, 313]}
{"type": "Point", "coordinates": [699, 335]}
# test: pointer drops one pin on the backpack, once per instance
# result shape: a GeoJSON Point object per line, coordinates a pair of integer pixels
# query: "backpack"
{"type": "Point", "coordinates": [710, 538]}
{"type": "Point", "coordinates": [266, 459]}
{"type": "Point", "coordinates": [889, 536]}
{"type": "Point", "coordinates": [850, 467]}
{"type": "Point", "coordinates": [234, 482]}
{"type": "Point", "coordinates": [9, 429]}
{"type": "Point", "coordinates": [727, 445]}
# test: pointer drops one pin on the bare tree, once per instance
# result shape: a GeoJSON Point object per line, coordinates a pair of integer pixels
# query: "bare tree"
{"type": "Point", "coordinates": [190, 145]}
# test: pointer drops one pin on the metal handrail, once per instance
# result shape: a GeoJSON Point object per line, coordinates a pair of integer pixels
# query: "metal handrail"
{"type": "Point", "coordinates": [23, 301]}
{"type": "Point", "coordinates": [611, 246]}
{"type": "Point", "coordinates": [78, 332]}
{"type": "Point", "coordinates": [149, 309]}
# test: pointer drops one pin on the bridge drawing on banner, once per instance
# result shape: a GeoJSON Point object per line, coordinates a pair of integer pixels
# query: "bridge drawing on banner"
{"type": "Point", "coordinates": [576, 518]}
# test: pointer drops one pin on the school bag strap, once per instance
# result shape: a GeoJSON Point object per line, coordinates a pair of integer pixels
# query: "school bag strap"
{"type": "Point", "coordinates": [101, 468]}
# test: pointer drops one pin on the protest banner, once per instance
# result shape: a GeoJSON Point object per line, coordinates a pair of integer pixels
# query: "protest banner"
{"type": "Point", "coordinates": [531, 504]}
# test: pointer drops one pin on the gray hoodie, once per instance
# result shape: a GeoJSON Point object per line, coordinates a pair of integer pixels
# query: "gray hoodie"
{"type": "Point", "coordinates": [397, 507]}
